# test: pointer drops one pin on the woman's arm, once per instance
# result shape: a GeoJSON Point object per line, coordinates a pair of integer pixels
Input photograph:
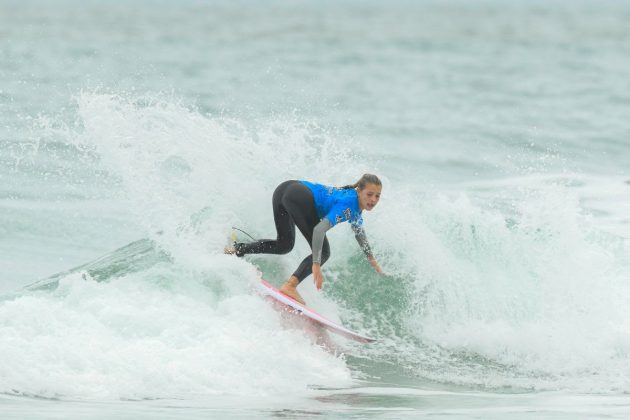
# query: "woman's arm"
{"type": "Point", "coordinates": [361, 237]}
{"type": "Point", "coordinates": [375, 265]}
{"type": "Point", "coordinates": [319, 234]}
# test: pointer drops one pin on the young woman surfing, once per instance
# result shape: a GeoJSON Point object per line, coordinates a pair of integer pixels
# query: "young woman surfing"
{"type": "Point", "coordinates": [315, 209]}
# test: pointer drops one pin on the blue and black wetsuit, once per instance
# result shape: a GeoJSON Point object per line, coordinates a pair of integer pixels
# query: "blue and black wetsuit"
{"type": "Point", "coordinates": [314, 209]}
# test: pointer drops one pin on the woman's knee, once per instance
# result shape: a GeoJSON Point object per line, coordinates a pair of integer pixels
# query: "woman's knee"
{"type": "Point", "coordinates": [285, 246]}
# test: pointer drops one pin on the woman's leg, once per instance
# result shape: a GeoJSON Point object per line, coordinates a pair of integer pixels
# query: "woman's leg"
{"type": "Point", "coordinates": [285, 229]}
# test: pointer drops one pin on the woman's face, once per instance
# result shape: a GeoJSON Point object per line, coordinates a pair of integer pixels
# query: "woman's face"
{"type": "Point", "coordinates": [369, 196]}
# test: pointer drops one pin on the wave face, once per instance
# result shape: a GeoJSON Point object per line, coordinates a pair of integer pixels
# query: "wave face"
{"type": "Point", "coordinates": [502, 227]}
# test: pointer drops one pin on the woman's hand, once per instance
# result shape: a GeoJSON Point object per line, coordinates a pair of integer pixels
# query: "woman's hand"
{"type": "Point", "coordinates": [375, 265]}
{"type": "Point", "coordinates": [318, 278]}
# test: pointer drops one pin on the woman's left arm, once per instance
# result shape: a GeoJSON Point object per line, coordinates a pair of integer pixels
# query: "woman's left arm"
{"type": "Point", "coordinates": [361, 237]}
{"type": "Point", "coordinates": [375, 265]}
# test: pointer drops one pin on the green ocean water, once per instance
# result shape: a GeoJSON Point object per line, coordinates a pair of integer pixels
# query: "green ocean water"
{"type": "Point", "coordinates": [133, 135]}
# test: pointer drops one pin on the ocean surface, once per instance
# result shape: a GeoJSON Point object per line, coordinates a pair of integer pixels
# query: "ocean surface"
{"type": "Point", "coordinates": [135, 134]}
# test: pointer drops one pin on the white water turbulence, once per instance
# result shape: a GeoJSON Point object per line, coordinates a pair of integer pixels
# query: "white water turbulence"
{"type": "Point", "coordinates": [534, 296]}
{"type": "Point", "coordinates": [162, 334]}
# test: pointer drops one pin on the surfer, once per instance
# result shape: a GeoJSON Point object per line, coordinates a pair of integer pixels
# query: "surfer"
{"type": "Point", "coordinates": [315, 209]}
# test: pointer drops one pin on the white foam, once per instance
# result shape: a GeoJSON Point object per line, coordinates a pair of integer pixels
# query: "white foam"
{"type": "Point", "coordinates": [163, 333]}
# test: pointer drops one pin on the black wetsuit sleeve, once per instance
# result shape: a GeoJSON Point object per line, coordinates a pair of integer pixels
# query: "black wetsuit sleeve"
{"type": "Point", "coordinates": [361, 237]}
{"type": "Point", "coordinates": [319, 234]}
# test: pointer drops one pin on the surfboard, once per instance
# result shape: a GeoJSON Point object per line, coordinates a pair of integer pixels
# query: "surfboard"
{"type": "Point", "coordinates": [267, 289]}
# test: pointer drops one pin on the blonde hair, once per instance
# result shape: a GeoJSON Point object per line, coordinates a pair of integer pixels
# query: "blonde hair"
{"type": "Point", "coordinates": [363, 182]}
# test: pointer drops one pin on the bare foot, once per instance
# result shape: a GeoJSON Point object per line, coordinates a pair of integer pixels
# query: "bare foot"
{"type": "Point", "coordinates": [289, 288]}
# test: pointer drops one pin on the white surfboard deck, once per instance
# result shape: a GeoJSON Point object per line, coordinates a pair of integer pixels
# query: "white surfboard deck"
{"type": "Point", "coordinates": [267, 289]}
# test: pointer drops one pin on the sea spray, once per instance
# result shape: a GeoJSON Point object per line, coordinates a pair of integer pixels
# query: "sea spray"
{"type": "Point", "coordinates": [539, 291]}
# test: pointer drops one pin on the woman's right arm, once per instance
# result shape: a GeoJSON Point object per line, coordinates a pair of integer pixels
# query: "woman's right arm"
{"type": "Point", "coordinates": [319, 234]}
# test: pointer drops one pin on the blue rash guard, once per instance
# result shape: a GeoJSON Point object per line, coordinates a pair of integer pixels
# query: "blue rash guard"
{"type": "Point", "coordinates": [336, 205]}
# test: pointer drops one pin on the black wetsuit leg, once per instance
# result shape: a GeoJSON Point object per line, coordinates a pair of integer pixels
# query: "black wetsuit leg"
{"type": "Point", "coordinates": [293, 205]}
